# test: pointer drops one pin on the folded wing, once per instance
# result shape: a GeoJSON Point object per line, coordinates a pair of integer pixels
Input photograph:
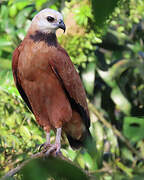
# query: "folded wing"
{"type": "Point", "coordinates": [15, 60]}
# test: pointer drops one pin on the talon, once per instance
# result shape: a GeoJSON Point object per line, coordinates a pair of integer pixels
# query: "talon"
{"type": "Point", "coordinates": [53, 148]}
{"type": "Point", "coordinates": [39, 149]}
{"type": "Point", "coordinates": [45, 146]}
{"type": "Point", "coordinates": [50, 150]}
{"type": "Point", "coordinates": [58, 146]}
{"type": "Point", "coordinates": [58, 152]}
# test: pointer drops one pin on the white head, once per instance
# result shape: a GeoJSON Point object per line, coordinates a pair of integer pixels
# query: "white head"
{"type": "Point", "coordinates": [48, 21]}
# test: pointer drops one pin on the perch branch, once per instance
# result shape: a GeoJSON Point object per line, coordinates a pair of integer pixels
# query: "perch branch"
{"type": "Point", "coordinates": [34, 156]}
{"type": "Point", "coordinates": [116, 132]}
{"type": "Point", "coordinates": [19, 167]}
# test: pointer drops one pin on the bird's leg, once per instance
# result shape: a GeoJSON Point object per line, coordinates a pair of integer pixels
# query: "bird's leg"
{"type": "Point", "coordinates": [56, 147]}
{"type": "Point", "coordinates": [48, 138]}
{"type": "Point", "coordinates": [47, 143]}
{"type": "Point", "coordinates": [58, 140]}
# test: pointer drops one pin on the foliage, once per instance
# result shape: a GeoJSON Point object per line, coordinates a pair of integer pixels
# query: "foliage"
{"type": "Point", "coordinates": [48, 167]}
{"type": "Point", "coordinates": [105, 42]}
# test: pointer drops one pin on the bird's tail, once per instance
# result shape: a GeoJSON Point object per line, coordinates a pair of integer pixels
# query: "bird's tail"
{"type": "Point", "coordinates": [82, 142]}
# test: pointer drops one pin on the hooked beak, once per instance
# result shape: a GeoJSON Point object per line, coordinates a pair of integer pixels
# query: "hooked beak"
{"type": "Point", "coordinates": [62, 25]}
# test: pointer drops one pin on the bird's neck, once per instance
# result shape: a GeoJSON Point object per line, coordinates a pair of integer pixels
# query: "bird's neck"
{"type": "Point", "coordinates": [49, 38]}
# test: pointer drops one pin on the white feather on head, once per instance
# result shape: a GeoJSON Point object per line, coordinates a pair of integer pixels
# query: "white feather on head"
{"type": "Point", "coordinates": [40, 22]}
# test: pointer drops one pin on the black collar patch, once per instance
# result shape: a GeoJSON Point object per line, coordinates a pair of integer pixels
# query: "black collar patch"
{"type": "Point", "coordinates": [49, 38]}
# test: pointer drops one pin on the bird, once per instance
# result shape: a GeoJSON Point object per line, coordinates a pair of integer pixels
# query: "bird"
{"type": "Point", "coordinates": [49, 84]}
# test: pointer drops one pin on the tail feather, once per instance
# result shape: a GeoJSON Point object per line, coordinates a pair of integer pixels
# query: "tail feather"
{"type": "Point", "coordinates": [82, 142]}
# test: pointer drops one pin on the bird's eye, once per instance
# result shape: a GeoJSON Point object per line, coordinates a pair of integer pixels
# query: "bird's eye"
{"type": "Point", "coordinates": [50, 19]}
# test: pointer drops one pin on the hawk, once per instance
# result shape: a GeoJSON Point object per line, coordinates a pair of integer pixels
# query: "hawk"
{"type": "Point", "coordinates": [49, 83]}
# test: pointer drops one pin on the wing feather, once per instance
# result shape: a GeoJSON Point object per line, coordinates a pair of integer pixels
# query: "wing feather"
{"type": "Point", "coordinates": [15, 59]}
{"type": "Point", "coordinates": [71, 82]}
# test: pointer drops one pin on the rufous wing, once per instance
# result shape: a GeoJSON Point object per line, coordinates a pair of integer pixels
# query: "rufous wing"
{"type": "Point", "coordinates": [71, 82]}
{"type": "Point", "coordinates": [15, 60]}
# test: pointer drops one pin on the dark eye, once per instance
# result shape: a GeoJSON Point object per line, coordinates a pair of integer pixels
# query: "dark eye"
{"type": "Point", "coordinates": [50, 19]}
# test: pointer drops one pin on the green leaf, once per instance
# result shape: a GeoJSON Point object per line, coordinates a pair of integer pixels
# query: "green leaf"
{"type": "Point", "coordinates": [39, 4]}
{"type": "Point", "coordinates": [101, 15]}
{"type": "Point", "coordinates": [20, 4]}
{"type": "Point", "coordinates": [99, 137]}
{"type": "Point", "coordinates": [112, 139]}
{"type": "Point", "coordinates": [13, 11]}
{"type": "Point", "coordinates": [6, 76]}
{"type": "Point", "coordinates": [20, 20]}
{"type": "Point", "coordinates": [118, 68]}
{"type": "Point", "coordinates": [82, 14]}
{"type": "Point", "coordinates": [124, 168]}
{"type": "Point", "coordinates": [5, 64]}
{"type": "Point", "coordinates": [21, 33]}
{"type": "Point", "coordinates": [127, 154]}
{"type": "Point", "coordinates": [24, 131]}
{"type": "Point", "coordinates": [5, 42]}
{"type": "Point", "coordinates": [80, 161]}
{"type": "Point", "coordinates": [8, 49]}
{"type": "Point", "coordinates": [71, 154]}
{"type": "Point", "coordinates": [88, 160]}
{"type": "Point", "coordinates": [88, 77]}
{"type": "Point", "coordinates": [22, 16]}
{"type": "Point", "coordinates": [133, 128]}
{"type": "Point", "coordinates": [11, 121]}
{"type": "Point", "coordinates": [40, 169]}
{"type": "Point", "coordinates": [120, 100]}
{"type": "Point", "coordinates": [106, 76]}
{"type": "Point", "coordinates": [4, 12]}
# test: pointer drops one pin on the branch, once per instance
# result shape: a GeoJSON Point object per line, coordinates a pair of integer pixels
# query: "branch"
{"type": "Point", "coordinates": [34, 156]}
{"type": "Point", "coordinates": [43, 155]}
{"type": "Point", "coordinates": [116, 132]}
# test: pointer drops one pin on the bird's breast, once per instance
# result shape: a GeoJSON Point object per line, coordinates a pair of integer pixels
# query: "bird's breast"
{"type": "Point", "coordinates": [33, 60]}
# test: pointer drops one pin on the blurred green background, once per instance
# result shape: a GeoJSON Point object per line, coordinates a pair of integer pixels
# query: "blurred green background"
{"type": "Point", "coordinates": [105, 40]}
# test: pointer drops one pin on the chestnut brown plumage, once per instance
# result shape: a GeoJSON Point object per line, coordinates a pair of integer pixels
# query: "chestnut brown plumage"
{"type": "Point", "coordinates": [48, 82]}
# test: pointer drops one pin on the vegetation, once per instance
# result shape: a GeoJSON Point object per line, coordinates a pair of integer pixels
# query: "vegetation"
{"type": "Point", "coordinates": [105, 40]}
